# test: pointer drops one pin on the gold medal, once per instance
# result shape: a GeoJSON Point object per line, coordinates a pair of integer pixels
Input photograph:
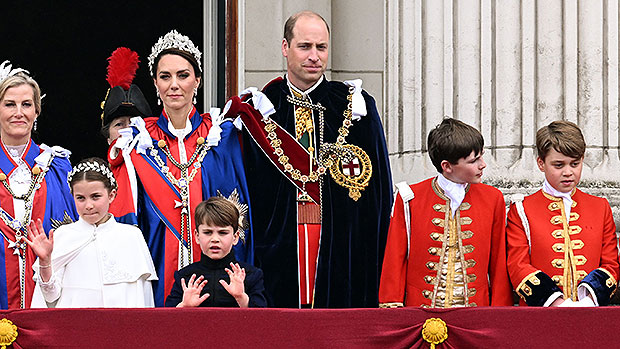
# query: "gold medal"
{"type": "Point", "coordinates": [350, 167]}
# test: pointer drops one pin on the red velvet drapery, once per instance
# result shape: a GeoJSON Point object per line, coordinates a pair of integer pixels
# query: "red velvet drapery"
{"type": "Point", "coordinates": [485, 327]}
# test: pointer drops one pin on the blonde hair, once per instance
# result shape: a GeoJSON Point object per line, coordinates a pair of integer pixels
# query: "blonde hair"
{"type": "Point", "coordinates": [22, 79]}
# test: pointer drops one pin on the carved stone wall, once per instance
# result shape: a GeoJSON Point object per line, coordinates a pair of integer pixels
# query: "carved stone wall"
{"type": "Point", "coordinates": [506, 67]}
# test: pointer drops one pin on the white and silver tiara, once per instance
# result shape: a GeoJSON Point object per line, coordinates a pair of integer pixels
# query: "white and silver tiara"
{"type": "Point", "coordinates": [92, 166]}
{"type": "Point", "coordinates": [174, 39]}
{"type": "Point", "coordinates": [6, 70]}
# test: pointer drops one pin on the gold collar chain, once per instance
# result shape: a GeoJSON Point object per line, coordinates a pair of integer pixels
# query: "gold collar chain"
{"type": "Point", "coordinates": [195, 161]}
{"type": "Point", "coordinates": [337, 156]}
{"type": "Point", "coordinates": [183, 182]}
{"type": "Point", "coordinates": [303, 120]}
{"type": "Point", "coordinates": [19, 226]}
{"type": "Point", "coordinates": [283, 159]}
{"type": "Point", "coordinates": [331, 155]}
{"type": "Point", "coordinates": [34, 183]}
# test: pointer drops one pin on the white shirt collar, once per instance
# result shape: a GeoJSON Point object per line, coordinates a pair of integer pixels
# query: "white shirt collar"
{"type": "Point", "coordinates": [454, 191]}
{"type": "Point", "coordinates": [180, 133]}
{"type": "Point", "coordinates": [110, 222]}
{"type": "Point", "coordinates": [305, 93]}
{"type": "Point", "coordinates": [567, 198]}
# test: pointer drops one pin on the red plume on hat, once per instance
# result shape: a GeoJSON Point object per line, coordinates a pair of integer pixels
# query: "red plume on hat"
{"type": "Point", "coordinates": [122, 67]}
{"type": "Point", "coordinates": [123, 98]}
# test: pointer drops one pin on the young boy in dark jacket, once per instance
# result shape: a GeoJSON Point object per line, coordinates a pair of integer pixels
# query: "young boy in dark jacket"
{"type": "Point", "coordinates": [217, 280]}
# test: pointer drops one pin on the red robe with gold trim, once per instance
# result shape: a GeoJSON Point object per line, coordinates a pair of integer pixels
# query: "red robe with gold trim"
{"type": "Point", "coordinates": [592, 233]}
{"type": "Point", "coordinates": [413, 279]}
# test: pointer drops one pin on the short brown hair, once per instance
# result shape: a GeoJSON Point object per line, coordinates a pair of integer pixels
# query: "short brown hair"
{"type": "Point", "coordinates": [292, 20]}
{"type": "Point", "coordinates": [452, 140]}
{"type": "Point", "coordinates": [217, 211]}
{"type": "Point", "coordinates": [22, 79]}
{"type": "Point", "coordinates": [563, 136]}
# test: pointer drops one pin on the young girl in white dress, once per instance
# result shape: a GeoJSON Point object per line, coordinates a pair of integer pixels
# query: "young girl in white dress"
{"type": "Point", "coordinates": [94, 262]}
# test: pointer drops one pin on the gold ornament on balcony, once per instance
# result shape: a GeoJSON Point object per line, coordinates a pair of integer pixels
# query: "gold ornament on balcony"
{"type": "Point", "coordinates": [434, 331]}
{"type": "Point", "coordinates": [8, 333]}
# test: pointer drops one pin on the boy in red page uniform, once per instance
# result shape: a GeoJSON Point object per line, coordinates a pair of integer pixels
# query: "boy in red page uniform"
{"type": "Point", "coordinates": [562, 247]}
{"type": "Point", "coordinates": [446, 244]}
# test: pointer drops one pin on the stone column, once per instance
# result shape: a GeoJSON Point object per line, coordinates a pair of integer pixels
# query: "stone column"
{"type": "Point", "coordinates": [506, 67]}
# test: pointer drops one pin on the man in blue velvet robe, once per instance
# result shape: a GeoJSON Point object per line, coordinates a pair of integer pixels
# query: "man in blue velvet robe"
{"type": "Point", "coordinates": [319, 179]}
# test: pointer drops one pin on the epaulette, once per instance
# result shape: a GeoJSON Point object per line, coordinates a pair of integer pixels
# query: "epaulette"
{"type": "Point", "coordinates": [517, 199]}
{"type": "Point", "coordinates": [407, 195]}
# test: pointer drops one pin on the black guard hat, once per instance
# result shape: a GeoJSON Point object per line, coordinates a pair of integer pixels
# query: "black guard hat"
{"type": "Point", "coordinates": [123, 98]}
{"type": "Point", "coordinates": [125, 103]}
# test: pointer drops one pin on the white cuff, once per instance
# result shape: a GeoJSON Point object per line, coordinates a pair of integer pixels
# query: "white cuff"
{"type": "Point", "coordinates": [583, 290]}
{"type": "Point", "coordinates": [586, 302]}
{"type": "Point", "coordinates": [552, 299]}
{"type": "Point", "coordinates": [568, 303]}
{"type": "Point", "coordinates": [46, 284]}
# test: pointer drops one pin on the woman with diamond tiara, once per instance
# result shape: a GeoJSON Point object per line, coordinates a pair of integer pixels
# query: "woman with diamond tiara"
{"type": "Point", "coordinates": [33, 183]}
{"type": "Point", "coordinates": [175, 161]}
{"type": "Point", "coordinates": [94, 262]}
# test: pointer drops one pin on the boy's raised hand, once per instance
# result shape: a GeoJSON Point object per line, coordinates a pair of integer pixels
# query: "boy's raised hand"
{"type": "Point", "coordinates": [191, 291]}
{"type": "Point", "coordinates": [40, 244]}
{"type": "Point", "coordinates": [236, 287]}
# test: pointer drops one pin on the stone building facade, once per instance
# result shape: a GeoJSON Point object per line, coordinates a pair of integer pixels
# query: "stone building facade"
{"type": "Point", "coordinates": [507, 67]}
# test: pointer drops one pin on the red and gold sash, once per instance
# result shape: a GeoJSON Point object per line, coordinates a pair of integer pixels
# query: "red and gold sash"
{"type": "Point", "coordinates": [282, 149]}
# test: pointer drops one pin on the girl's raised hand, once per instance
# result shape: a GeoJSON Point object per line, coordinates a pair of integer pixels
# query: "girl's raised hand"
{"type": "Point", "coordinates": [41, 245]}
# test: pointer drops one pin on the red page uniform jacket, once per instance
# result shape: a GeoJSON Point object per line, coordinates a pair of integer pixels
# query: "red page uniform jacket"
{"type": "Point", "coordinates": [447, 260]}
{"type": "Point", "coordinates": [548, 254]}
